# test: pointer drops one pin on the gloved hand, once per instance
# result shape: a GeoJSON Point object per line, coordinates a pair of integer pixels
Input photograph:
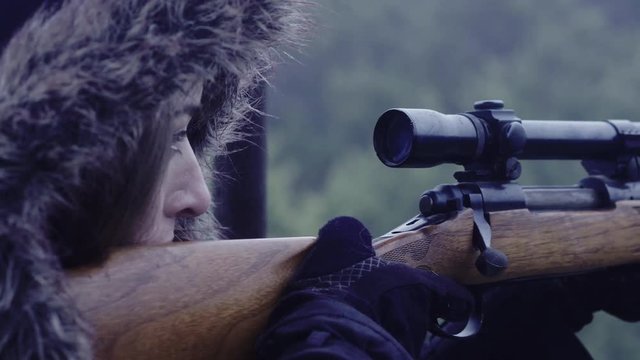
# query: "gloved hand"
{"type": "Point", "coordinates": [345, 302]}
{"type": "Point", "coordinates": [615, 290]}
{"type": "Point", "coordinates": [537, 319]}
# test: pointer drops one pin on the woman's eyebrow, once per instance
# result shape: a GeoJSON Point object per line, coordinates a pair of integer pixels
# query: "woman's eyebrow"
{"type": "Point", "coordinates": [189, 109]}
{"type": "Point", "coordinates": [192, 108]}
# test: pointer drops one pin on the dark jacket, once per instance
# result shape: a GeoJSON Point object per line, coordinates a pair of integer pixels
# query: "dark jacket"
{"type": "Point", "coordinates": [317, 327]}
{"type": "Point", "coordinates": [81, 83]}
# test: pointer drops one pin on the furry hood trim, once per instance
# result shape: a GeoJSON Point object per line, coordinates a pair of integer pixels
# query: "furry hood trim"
{"type": "Point", "coordinates": [80, 85]}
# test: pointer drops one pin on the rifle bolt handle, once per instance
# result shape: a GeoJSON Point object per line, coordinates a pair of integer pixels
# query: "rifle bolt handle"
{"type": "Point", "coordinates": [491, 262]}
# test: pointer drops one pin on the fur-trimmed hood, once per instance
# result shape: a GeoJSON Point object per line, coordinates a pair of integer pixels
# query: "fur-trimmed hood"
{"type": "Point", "coordinates": [80, 84]}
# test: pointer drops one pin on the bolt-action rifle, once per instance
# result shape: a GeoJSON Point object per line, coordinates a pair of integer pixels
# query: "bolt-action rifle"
{"type": "Point", "coordinates": [210, 299]}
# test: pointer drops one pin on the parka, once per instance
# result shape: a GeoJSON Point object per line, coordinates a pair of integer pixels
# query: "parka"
{"type": "Point", "coordinates": [82, 82]}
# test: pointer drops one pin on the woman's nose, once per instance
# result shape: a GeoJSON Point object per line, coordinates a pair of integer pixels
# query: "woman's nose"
{"type": "Point", "coordinates": [190, 196]}
{"type": "Point", "coordinates": [197, 198]}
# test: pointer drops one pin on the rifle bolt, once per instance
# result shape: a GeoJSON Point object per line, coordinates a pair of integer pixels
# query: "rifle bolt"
{"type": "Point", "coordinates": [426, 204]}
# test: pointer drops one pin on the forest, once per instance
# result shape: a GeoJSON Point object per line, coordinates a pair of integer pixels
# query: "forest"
{"type": "Point", "coordinates": [561, 59]}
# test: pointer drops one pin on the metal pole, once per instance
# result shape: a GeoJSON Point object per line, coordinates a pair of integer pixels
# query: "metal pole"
{"type": "Point", "coordinates": [241, 192]}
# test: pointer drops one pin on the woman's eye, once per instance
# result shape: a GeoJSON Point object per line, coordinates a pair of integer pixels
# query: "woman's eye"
{"type": "Point", "coordinates": [178, 138]}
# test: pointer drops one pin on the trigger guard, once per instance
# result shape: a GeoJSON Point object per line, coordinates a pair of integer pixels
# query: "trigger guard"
{"type": "Point", "coordinates": [470, 328]}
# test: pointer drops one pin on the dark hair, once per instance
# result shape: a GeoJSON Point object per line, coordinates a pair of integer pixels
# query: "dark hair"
{"type": "Point", "coordinates": [109, 209]}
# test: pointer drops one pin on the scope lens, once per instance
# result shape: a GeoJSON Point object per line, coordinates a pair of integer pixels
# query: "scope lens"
{"type": "Point", "coordinates": [393, 137]}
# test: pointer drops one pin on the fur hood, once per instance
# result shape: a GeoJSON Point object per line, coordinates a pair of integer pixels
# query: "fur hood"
{"type": "Point", "coordinates": [80, 84]}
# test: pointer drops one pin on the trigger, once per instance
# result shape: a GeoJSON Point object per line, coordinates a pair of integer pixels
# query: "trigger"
{"type": "Point", "coordinates": [462, 328]}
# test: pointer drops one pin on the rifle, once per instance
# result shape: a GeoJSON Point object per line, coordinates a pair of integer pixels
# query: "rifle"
{"type": "Point", "coordinates": [210, 299]}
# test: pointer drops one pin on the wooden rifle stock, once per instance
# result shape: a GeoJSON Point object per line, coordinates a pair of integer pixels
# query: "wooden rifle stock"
{"type": "Point", "coordinates": [211, 299]}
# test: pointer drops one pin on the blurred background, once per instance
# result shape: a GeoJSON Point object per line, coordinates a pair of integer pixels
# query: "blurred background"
{"type": "Point", "coordinates": [560, 59]}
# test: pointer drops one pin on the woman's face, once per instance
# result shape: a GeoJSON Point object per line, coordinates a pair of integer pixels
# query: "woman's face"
{"type": "Point", "coordinates": [182, 191]}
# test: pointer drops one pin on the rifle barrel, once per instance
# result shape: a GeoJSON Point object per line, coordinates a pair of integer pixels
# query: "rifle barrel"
{"type": "Point", "coordinates": [562, 198]}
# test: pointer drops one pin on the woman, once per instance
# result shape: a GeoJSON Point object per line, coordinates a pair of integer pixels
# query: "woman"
{"type": "Point", "coordinates": [95, 102]}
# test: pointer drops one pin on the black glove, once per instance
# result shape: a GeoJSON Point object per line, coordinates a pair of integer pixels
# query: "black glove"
{"type": "Point", "coordinates": [615, 290]}
{"type": "Point", "coordinates": [537, 319]}
{"type": "Point", "coordinates": [343, 298]}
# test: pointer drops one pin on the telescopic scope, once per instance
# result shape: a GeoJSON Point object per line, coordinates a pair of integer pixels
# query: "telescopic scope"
{"type": "Point", "coordinates": [426, 138]}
